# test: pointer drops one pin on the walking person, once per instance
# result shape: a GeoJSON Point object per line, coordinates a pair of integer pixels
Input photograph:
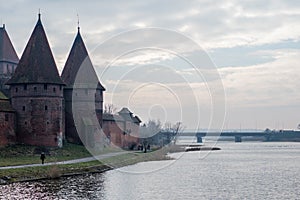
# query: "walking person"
{"type": "Point", "coordinates": [43, 157]}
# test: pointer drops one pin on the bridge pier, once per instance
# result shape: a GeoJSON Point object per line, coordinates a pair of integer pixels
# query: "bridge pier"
{"type": "Point", "coordinates": [238, 138]}
{"type": "Point", "coordinates": [267, 138]}
{"type": "Point", "coordinates": [199, 139]}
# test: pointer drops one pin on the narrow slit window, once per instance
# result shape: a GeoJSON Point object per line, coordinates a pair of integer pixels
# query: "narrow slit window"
{"type": "Point", "coordinates": [6, 117]}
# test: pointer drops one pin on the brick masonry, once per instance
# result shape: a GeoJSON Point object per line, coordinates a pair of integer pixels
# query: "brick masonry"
{"type": "Point", "coordinates": [39, 109]}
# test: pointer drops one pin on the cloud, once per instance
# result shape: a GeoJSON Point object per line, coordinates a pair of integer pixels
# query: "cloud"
{"type": "Point", "coordinates": [211, 24]}
{"type": "Point", "coordinates": [143, 57]}
{"type": "Point", "coordinates": [262, 88]}
{"type": "Point", "coordinates": [255, 43]}
{"type": "Point", "coordinates": [269, 84]}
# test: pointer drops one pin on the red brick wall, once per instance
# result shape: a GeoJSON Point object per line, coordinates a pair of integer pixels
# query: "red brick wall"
{"type": "Point", "coordinates": [7, 128]}
{"type": "Point", "coordinates": [116, 129]}
{"type": "Point", "coordinates": [89, 104]}
{"type": "Point", "coordinates": [40, 118]}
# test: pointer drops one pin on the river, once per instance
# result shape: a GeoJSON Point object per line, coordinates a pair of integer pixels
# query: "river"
{"type": "Point", "coordinates": [248, 170]}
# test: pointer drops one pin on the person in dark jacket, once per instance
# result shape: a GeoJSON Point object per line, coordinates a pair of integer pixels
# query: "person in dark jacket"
{"type": "Point", "coordinates": [43, 157]}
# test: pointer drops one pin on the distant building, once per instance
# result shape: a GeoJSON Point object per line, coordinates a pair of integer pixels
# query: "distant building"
{"type": "Point", "coordinates": [122, 129]}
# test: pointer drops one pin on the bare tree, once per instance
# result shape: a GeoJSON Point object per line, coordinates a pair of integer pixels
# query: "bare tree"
{"type": "Point", "coordinates": [109, 108]}
{"type": "Point", "coordinates": [147, 131]}
{"type": "Point", "coordinates": [173, 130]}
{"type": "Point", "coordinates": [168, 126]}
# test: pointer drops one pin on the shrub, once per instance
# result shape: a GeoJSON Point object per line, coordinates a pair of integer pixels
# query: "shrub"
{"type": "Point", "coordinates": [54, 172]}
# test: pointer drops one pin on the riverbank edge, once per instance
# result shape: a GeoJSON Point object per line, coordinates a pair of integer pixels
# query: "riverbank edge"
{"type": "Point", "coordinates": [105, 168]}
{"type": "Point", "coordinates": [90, 168]}
{"type": "Point", "coordinates": [96, 166]}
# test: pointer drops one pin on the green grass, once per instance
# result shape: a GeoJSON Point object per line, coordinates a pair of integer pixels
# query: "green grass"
{"type": "Point", "coordinates": [53, 171]}
{"type": "Point", "coordinates": [134, 157]}
{"type": "Point", "coordinates": [17, 155]}
{"type": "Point", "coordinates": [23, 154]}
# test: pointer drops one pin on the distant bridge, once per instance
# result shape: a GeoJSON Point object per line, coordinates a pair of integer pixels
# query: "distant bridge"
{"type": "Point", "coordinates": [282, 135]}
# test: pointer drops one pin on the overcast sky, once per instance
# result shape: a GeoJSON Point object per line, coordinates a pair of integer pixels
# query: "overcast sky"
{"type": "Point", "coordinates": [254, 46]}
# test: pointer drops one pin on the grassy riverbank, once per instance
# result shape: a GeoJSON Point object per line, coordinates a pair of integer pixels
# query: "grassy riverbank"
{"type": "Point", "coordinates": [25, 154]}
{"type": "Point", "coordinates": [53, 171]}
{"type": "Point", "coordinates": [70, 152]}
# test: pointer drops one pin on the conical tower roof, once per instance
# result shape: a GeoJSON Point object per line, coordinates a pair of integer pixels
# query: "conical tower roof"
{"type": "Point", "coordinates": [7, 51]}
{"type": "Point", "coordinates": [79, 61]}
{"type": "Point", "coordinates": [37, 64]}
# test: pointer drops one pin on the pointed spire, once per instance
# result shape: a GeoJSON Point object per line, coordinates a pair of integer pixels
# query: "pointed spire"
{"type": "Point", "coordinates": [37, 64]}
{"type": "Point", "coordinates": [77, 59]}
{"type": "Point", "coordinates": [78, 26]}
{"type": "Point", "coordinates": [39, 17]}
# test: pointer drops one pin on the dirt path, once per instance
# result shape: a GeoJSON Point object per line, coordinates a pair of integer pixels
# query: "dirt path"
{"type": "Point", "coordinates": [108, 155]}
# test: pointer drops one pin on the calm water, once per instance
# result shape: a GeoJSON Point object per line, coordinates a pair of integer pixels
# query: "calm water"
{"type": "Point", "coordinates": [238, 171]}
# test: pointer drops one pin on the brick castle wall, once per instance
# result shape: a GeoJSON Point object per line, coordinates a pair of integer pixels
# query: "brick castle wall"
{"type": "Point", "coordinates": [119, 134]}
{"type": "Point", "coordinates": [39, 110]}
{"type": "Point", "coordinates": [88, 104]}
{"type": "Point", "coordinates": [7, 128]}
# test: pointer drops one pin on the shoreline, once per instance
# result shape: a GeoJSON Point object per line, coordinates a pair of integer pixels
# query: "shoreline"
{"type": "Point", "coordinates": [55, 171]}
{"type": "Point", "coordinates": [28, 174]}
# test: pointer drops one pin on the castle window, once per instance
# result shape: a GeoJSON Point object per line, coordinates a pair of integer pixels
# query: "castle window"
{"type": "Point", "coordinates": [25, 87]}
{"type": "Point", "coordinates": [45, 86]}
{"type": "Point", "coordinates": [35, 89]}
{"type": "Point", "coordinates": [48, 122]}
{"type": "Point", "coordinates": [54, 89]}
{"type": "Point", "coordinates": [23, 108]}
{"type": "Point", "coordinates": [60, 87]}
{"type": "Point", "coordinates": [6, 117]}
{"type": "Point", "coordinates": [25, 123]}
{"type": "Point", "coordinates": [16, 89]}
{"type": "Point", "coordinates": [46, 107]}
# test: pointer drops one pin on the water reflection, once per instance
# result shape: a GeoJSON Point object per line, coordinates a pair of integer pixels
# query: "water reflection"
{"type": "Point", "coordinates": [238, 171]}
{"type": "Point", "coordinates": [79, 187]}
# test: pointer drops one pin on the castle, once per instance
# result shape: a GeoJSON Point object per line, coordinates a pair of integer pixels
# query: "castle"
{"type": "Point", "coordinates": [37, 104]}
